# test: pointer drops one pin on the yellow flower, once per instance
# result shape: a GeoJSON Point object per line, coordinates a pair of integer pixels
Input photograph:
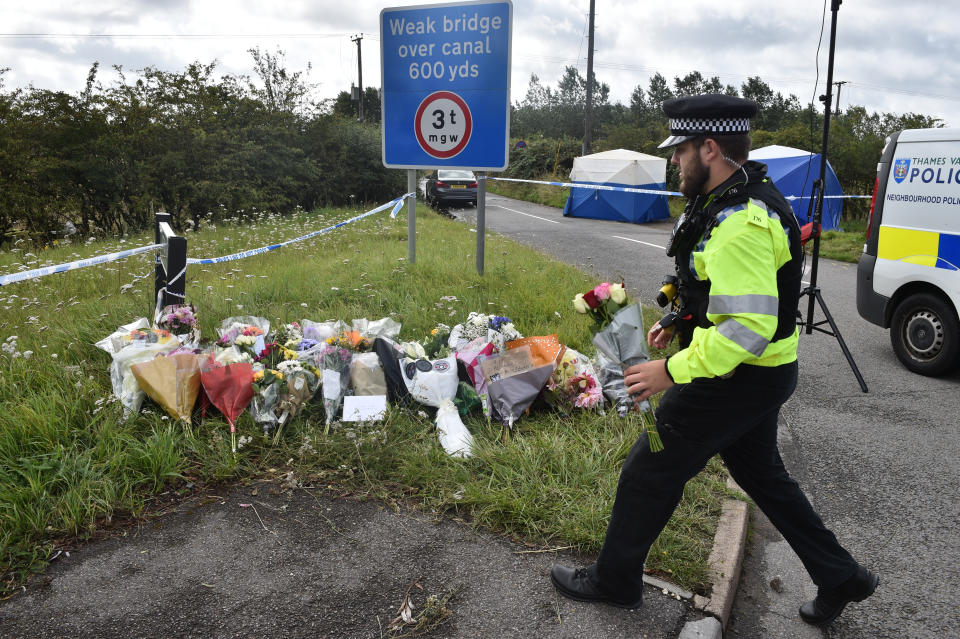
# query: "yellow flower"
{"type": "Point", "coordinates": [258, 376]}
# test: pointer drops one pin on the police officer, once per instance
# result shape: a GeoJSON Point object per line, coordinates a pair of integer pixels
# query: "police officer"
{"type": "Point", "coordinates": [738, 263]}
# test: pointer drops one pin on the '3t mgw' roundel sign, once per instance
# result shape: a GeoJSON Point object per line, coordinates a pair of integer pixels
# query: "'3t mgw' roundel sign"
{"type": "Point", "coordinates": [443, 124]}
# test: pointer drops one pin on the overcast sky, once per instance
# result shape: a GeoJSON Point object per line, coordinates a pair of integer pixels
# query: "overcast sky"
{"type": "Point", "coordinates": [892, 55]}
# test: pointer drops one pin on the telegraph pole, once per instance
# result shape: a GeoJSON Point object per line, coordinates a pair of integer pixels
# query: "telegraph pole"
{"type": "Point", "coordinates": [839, 84]}
{"type": "Point", "coordinates": [588, 111]}
{"type": "Point", "coordinates": [359, 76]}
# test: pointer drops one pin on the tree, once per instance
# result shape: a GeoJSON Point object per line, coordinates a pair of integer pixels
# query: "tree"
{"type": "Point", "coordinates": [538, 96]}
{"type": "Point", "coordinates": [281, 90]}
{"type": "Point", "coordinates": [658, 92]}
{"type": "Point", "coordinates": [346, 106]}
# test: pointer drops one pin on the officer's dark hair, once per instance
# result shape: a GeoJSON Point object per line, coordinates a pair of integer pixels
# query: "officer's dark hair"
{"type": "Point", "coordinates": [736, 147]}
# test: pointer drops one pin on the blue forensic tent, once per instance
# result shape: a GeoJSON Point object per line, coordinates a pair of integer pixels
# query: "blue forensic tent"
{"type": "Point", "coordinates": [618, 168]}
{"type": "Point", "coordinates": [794, 171]}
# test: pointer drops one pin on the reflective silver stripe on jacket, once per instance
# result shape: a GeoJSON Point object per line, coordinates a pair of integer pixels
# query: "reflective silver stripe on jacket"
{"type": "Point", "coordinates": [743, 337]}
{"type": "Point", "coordinates": [731, 304]}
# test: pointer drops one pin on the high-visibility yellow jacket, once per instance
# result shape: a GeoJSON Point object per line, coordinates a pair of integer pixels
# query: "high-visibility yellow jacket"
{"type": "Point", "coordinates": [740, 260]}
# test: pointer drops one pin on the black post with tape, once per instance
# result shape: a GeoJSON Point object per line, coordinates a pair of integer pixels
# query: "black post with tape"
{"type": "Point", "coordinates": [170, 267]}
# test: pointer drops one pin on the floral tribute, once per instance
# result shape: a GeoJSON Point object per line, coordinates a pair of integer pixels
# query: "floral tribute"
{"type": "Point", "coordinates": [601, 302]}
{"type": "Point", "coordinates": [275, 374]}
{"type": "Point", "coordinates": [574, 383]}
{"type": "Point", "coordinates": [178, 318]}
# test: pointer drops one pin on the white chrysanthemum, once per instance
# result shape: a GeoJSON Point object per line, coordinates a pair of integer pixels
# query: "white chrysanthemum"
{"type": "Point", "coordinates": [289, 366]}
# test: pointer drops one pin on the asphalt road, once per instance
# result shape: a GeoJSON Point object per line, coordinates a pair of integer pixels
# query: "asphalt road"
{"type": "Point", "coordinates": [881, 467]}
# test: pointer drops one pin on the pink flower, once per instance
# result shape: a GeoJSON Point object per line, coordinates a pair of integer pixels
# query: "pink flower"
{"type": "Point", "coordinates": [589, 398]}
{"type": "Point", "coordinates": [602, 291]}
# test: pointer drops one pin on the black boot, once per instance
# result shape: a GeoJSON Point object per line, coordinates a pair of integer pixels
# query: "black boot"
{"type": "Point", "coordinates": [830, 602]}
{"type": "Point", "coordinates": [579, 585]}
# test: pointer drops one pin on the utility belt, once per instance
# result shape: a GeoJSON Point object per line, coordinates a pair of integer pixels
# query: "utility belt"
{"type": "Point", "coordinates": [686, 312]}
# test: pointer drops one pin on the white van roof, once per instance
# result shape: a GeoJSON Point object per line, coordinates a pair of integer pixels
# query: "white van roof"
{"type": "Point", "coordinates": [929, 135]}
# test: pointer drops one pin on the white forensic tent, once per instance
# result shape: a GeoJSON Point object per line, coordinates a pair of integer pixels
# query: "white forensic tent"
{"type": "Point", "coordinates": [618, 167]}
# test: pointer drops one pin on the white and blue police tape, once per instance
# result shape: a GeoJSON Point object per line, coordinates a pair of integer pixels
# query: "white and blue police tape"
{"type": "Point", "coordinates": [396, 203]}
{"type": "Point", "coordinates": [592, 187]}
{"type": "Point", "coordinates": [827, 197]}
{"type": "Point", "coordinates": [624, 189]}
{"type": "Point", "coordinates": [71, 266]}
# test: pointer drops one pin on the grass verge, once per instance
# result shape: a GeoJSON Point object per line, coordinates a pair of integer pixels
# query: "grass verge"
{"type": "Point", "coordinates": [69, 463]}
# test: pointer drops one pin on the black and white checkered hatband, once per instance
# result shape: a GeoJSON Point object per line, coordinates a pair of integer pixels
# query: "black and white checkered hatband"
{"type": "Point", "coordinates": [716, 126]}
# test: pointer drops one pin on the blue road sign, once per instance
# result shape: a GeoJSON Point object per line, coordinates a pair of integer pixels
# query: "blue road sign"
{"type": "Point", "coordinates": [446, 85]}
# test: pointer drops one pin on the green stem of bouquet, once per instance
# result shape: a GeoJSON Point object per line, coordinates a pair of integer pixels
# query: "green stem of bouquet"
{"type": "Point", "coordinates": [653, 437]}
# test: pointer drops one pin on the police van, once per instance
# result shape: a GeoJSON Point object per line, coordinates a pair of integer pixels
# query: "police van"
{"type": "Point", "coordinates": [908, 278]}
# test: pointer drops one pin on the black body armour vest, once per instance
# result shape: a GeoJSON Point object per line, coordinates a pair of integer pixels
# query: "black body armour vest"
{"type": "Point", "coordinates": [696, 225]}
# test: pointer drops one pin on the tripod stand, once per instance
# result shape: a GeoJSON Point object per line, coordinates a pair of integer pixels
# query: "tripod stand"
{"type": "Point", "coordinates": [813, 291]}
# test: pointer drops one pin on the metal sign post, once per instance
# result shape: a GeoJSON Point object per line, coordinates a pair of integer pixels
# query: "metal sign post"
{"type": "Point", "coordinates": [445, 73]}
{"type": "Point", "coordinates": [412, 216]}
{"type": "Point", "coordinates": [481, 218]}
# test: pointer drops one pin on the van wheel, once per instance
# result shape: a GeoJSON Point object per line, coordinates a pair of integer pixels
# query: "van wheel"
{"type": "Point", "coordinates": [925, 335]}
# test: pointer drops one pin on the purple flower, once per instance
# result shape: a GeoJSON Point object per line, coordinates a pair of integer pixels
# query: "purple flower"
{"type": "Point", "coordinates": [497, 321]}
{"type": "Point", "coordinates": [306, 344]}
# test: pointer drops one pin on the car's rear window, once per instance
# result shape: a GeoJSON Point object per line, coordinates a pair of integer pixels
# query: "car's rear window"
{"type": "Point", "coordinates": [455, 175]}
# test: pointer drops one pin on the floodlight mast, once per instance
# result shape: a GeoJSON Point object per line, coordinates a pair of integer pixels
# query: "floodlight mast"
{"type": "Point", "coordinates": [813, 291]}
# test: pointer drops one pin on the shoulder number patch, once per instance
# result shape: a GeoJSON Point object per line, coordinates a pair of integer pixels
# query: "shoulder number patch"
{"type": "Point", "coordinates": [757, 217]}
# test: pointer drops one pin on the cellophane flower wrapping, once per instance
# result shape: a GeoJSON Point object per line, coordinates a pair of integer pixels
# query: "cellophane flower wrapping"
{"type": "Point", "coordinates": [624, 342]}
{"type": "Point", "coordinates": [172, 381]}
{"type": "Point", "coordinates": [470, 354]}
{"type": "Point", "coordinates": [334, 364]}
{"type": "Point", "coordinates": [128, 346]}
{"type": "Point", "coordinates": [229, 388]}
{"type": "Point", "coordinates": [513, 381]}
{"type": "Point", "coordinates": [266, 396]}
{"type": "Point", "coordinates": [181, 321]}
{"type": "Point", "coordinates": [288, 335]}
{"type": "Point", "coordinates": [297, 386]}
{"type": "Point", "coordinates": [497, 329]}
{"type": "Point", "coordinates": [322, 331]}
{"type": "Point", "coordinates": [384, 327]}
{"type": "Point", "coordinates": [575, 383]}
{"type": "Point", "coordinates": [436, 344]}
{"type": "Point", "coordinates": [247, 333]}
{"type": "Point", "coordinates": [434, 383]}
{"type": "Point", "coordinates": [366, 375]}
{"type": "Point", "coordinates": [610, 377]}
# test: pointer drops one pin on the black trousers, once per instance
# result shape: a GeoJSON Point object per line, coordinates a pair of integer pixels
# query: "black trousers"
{"type": "Point", "coordinates": [737, 418]}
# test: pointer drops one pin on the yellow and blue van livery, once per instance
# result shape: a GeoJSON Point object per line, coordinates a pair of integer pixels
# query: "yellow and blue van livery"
{"type": "Point", "coordinates": [908, 278]}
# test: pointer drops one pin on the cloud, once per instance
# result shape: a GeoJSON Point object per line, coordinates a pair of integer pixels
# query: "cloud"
{"type": "Point", "coordinates": [894, 56]}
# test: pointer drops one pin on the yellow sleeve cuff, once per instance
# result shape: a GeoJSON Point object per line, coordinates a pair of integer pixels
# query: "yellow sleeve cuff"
{"type": "Point", "coordinates": [678, 368]}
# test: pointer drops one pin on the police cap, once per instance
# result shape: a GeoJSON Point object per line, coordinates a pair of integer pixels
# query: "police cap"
{"type": "Point", "coordinates": [710, 114]}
